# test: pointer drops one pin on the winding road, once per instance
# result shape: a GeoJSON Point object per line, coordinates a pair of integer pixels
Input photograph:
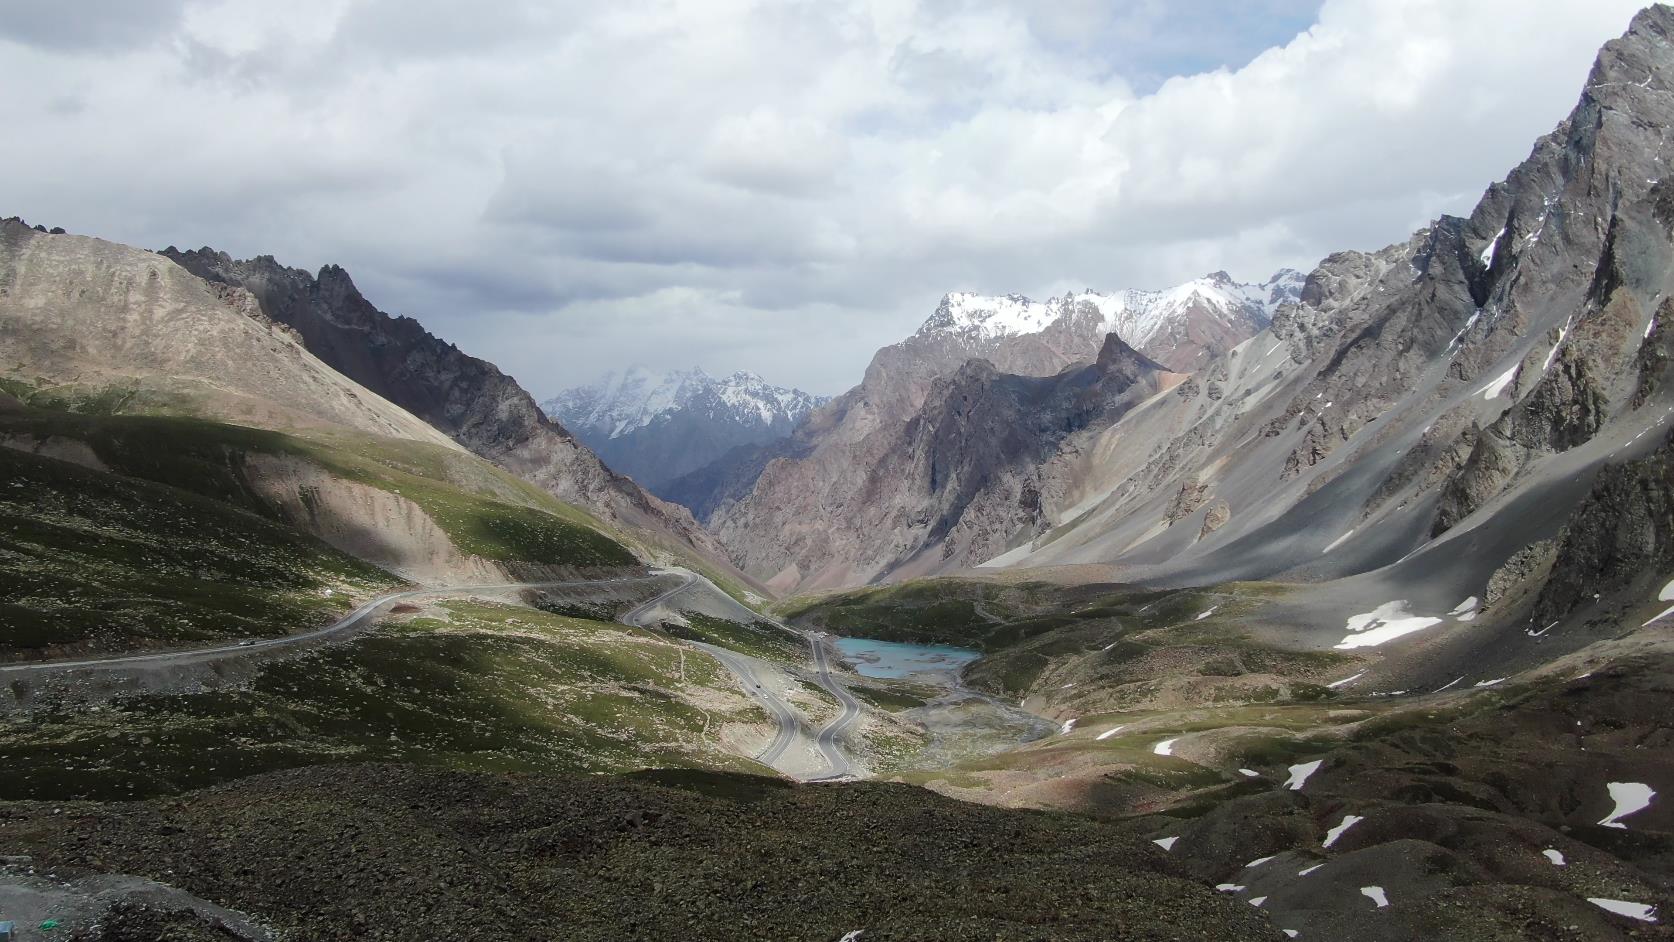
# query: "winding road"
{"type": "Point", "coordinates": [348, 622]}
{"type": "Point", "coordinates": [789, 720]}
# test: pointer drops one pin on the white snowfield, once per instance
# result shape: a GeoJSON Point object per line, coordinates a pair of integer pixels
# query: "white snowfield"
{"type": "Point", "coordinates": [1554, 855]}
{"type": "Point", "coordinates": [1376, 895]}
{"type": "Point", "coordinates": [1630, 797]}
{"type": "Point", "coordinates": [1383, 624]}
{"type": "Point", "coordinates": [1109, 733]}
{"type": "Point", "coordinates": [1165, 748]}
{"type": "Point", "coordinates": [1166, 843]}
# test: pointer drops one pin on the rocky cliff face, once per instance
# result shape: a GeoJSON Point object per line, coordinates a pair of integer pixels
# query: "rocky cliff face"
{"type": "Point", "coordinates": [751, 498]}
{"type": "Point", "coordinates": [959, 480]}
{"type": "Point", "coordinates": [466, 398]}
{"type": "Point", "coordinates": [1447, 397]}
{"type": "Point", "coordinates": [656, 429]}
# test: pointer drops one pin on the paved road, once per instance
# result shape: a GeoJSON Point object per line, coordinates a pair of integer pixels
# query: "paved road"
{"type": "Point", "coordinates": [789, 719]}
{"type": "Point", "coordinates": [840, 766]}
{"type": "Point", "coordinates": [350, 621]}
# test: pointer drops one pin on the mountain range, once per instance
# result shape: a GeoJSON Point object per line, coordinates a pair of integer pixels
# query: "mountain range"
{"type": "Point", "coordinates": [1334, 606]}
{"type": "Point", "coordinates": [657, 428]}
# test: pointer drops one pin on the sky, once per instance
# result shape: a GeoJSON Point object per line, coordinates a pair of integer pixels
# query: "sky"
{"type": "Point", "coordinates": [782, 186]}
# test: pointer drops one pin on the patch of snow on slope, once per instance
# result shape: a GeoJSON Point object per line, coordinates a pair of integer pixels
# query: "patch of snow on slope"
{"type": "Point", "coordinates": [1621, 907]}
{"type": "Point", "coordinates": [1109, 733]}
{"type": "Point", "coordinates": [1069, 724]}
{"type": "Point", "coordinates": [1204, 615]}
{"type": "Point", "coordinates": [1492, 390]}
{"type": "Point", "coordinates": [1346, 680]}
{"type": "Point", "coordinates": [1487, 256]}
{"type": "Point", "coordinates": [1376, 895]}
{"type": "Point", "coordinates": [1629, 798]}
{"type": "Point", "coordinates": [1299, 774]}
{"type": "Point", "coordinates": [1165, 748]}
{"type": "Point", "coordinates": [1556, 856]}
{"type": "Point", "coordinates": [1383, 624]}
{"type": "Point", "coordinates": [1166, 843]}
{"type": "Point", "coordinates": [1349, 820]}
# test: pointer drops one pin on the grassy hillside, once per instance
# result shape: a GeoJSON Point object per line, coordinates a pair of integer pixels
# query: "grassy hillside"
{"type": "Point", "coordinates": [465, 685]}
{"type": "Point", "coordinates": [90, 560]}
{"type": "Point", "coordinates": [155, 536]}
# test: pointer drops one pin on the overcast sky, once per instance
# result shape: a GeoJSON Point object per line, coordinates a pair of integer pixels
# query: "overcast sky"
{"type": "Point", "coordinates": [782, 186]}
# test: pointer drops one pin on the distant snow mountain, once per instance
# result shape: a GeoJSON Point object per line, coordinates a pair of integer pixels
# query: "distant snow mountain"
{"type": "Point", "coordinates": [1179, 326]}
{"type": "Point", "coordinates": [656, 427]}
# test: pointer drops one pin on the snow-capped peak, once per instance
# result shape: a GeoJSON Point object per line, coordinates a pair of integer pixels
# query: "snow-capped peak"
{"type": "Point", "coordinates": [619, 403]}
{"type": "Point", "coordinates": [1137, 316]}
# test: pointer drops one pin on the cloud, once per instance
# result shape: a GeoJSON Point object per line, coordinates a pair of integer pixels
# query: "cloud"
{"type": "Point", "coordinates": [783, 186]}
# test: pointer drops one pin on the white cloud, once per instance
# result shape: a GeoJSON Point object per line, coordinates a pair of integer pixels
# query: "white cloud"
{"type": "Point", "coordinates": [781, 186]}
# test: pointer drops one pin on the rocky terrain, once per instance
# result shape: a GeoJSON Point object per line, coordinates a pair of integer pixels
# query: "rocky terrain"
{"type": "Point", "coordinates": [658, 429]}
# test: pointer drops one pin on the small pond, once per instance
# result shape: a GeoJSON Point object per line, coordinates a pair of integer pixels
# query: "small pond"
{"type": "Point", "coordinates": [894, 659]}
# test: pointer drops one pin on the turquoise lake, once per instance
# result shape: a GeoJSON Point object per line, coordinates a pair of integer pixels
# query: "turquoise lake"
{"type": "Point", "coordinates": [894, 659]}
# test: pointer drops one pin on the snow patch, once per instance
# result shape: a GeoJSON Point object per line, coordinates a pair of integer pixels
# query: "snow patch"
{"type": "Point", "coordinates": [1490, 683]}
{"type": "Point", "coordinates": [1487, 256]}
{"type": "Point", "coordinates": [1307, 870]}
{"type": "Point", "coordinates": [1229, 888]}
{"type": "Point", "coordinates": [1257, 862]}
{"type": "Point", "coordinates": [1257, 901]}
{"type": "Point", "coordinates": [1621, 907]}
{"type": "Point", "coordinates": [1069, 724]}
{"type": "Point", "coordinates": [1204, 615]}
{"type": "Point", "coordinates": [1299, 774]}
{"type": "Point", "coordinates": [1383, 624]}
{"type": "Point", "coordinates": [1165, 748]}
{"type": "Point", "coordinates": [1494, 389]}
{"type": "Point", "coordinates": [1376, 895]}
{"type": "Point", "coordinates": [1556, 856]}
{"type": "Point", "coordinates": [1110, 732]}
{"type": "Point", "coordinates": [1249, 773]}
{"type": "Point", "coordinates": [1166, 843]}
{"type": "Point", "coordinates": [1349, 820]}
{"type": "Point", "coordinates": [1629, 798]}
{"type": "Point", "coordinates": [1337, 542]}
{"type": "Point", "coordinates": [1667, 593]}
{"type": "Point", "coordinates": [1346, 680]}
{"type": "Point", "coordinates": [1449, 684]}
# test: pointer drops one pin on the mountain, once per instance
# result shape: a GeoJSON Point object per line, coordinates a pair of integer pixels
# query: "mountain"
{"type": "Point", "coordinates": [468, 399]}
{"type": "Point", "coordinates": [960, 476]}
{"type": "Point", "coordinates": [180, 469]}
{"type": "Point", "coordinates": [656, 428]}
{"type": "Point", "coordinates": [754, 498]}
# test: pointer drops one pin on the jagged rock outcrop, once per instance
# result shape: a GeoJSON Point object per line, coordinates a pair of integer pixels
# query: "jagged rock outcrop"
{"type": "Point", "coordinates": [1622, 533]}
{"type": "Point", "coordinates": [468, 399]}
{"type": "Point", "coordinates": [958, 481]}
{"type": "Point", "coordinates": [97, 319]}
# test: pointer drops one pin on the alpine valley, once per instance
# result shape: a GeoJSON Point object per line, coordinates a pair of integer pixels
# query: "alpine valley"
{"type": "Point", "coordinates": [1330, 606]}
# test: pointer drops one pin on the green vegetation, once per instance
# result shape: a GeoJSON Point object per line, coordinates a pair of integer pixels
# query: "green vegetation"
{"type": "Point", "coordinates": [99, 561]}
{"type": "Point", "coordinates": [484, 511]}
{"type": "Point", "coordinates": [759, 639]}
{"type": "Point", "coordinates": [482, 687]}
